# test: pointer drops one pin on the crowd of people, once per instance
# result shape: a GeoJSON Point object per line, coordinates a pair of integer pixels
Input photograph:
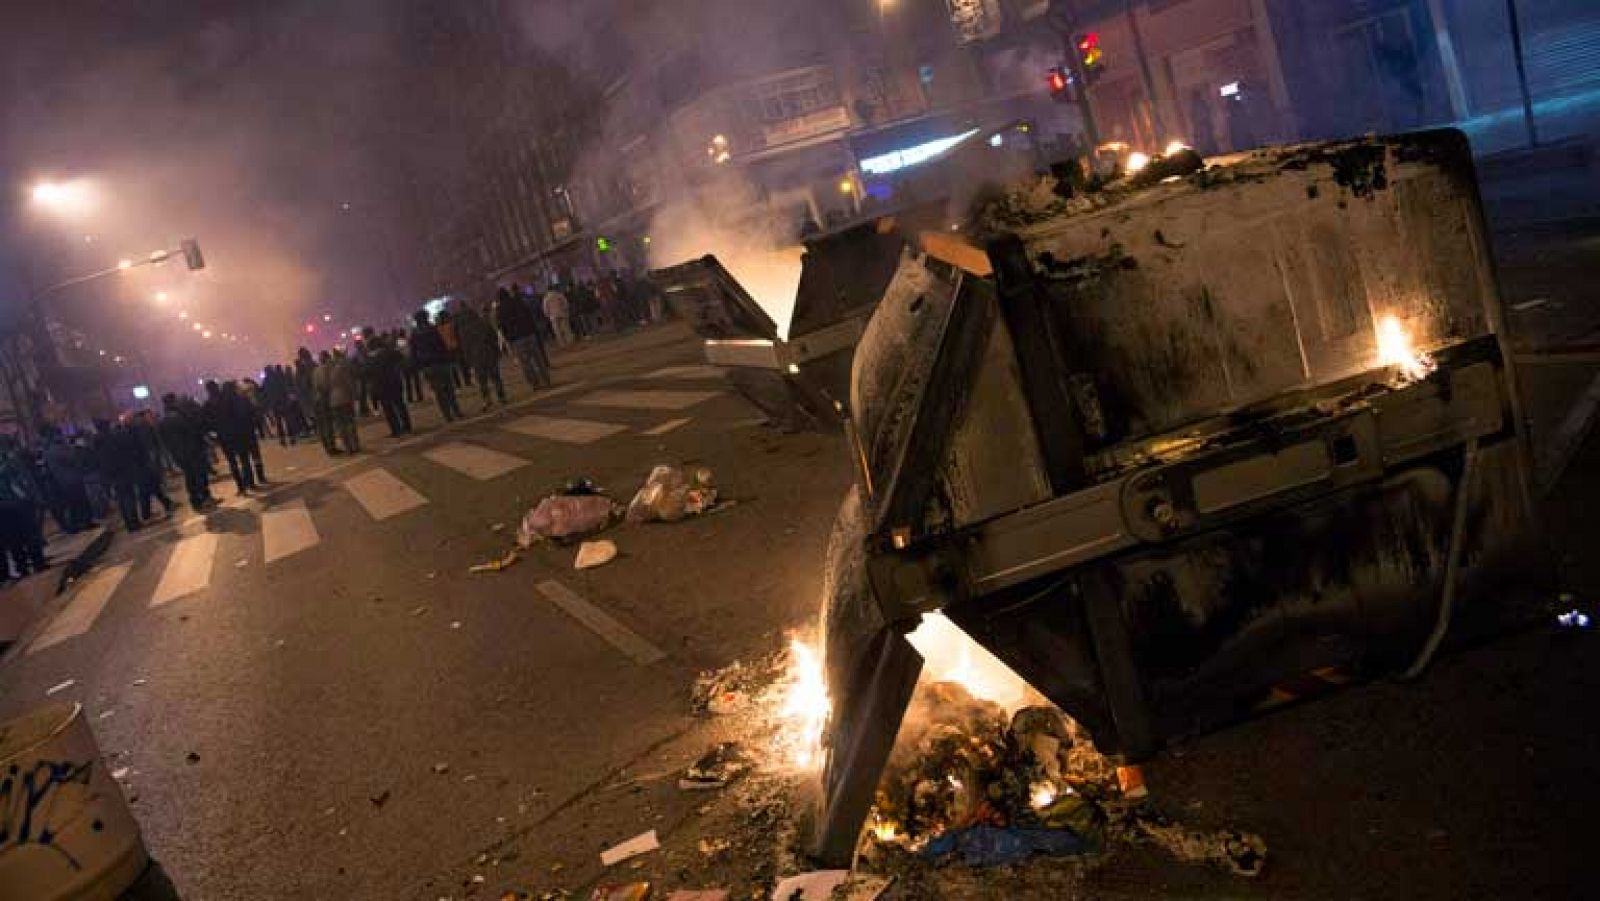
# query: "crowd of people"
{"type": "Point", "coordinates": [79, 477]}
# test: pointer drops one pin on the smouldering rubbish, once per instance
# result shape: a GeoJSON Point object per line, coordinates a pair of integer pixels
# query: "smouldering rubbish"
{"type": "Point", "coordinates": [1397, 349]}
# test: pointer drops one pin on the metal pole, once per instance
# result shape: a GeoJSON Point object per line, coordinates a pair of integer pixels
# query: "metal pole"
{"type": "Point", "coordinates": [1161, 136]}
{"type": "Point", "coordinates": [1522, 72]}
{"type": "Point", "coordinates": [1064, 20]}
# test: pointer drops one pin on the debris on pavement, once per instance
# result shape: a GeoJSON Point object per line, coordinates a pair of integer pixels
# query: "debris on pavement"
{"type": "Point", "coordinates": [493, 566]}
{"type": "Point", "coordinates": [140, 681]}
{"type": "Point", "coordinates": [441, 768]}
{"type": "Point", "coordinates": [592, 554]}
{"type": "Point", "coordinates": [498, 527]}
{"type": "Point", "coordinates": [106, 714]}
{"type": "Point", "coordinates": [120, 773]}
{"type": "Point", "coordinates": [455, 624]}
{"type": "Point", "coordinates": [418, 611]}
{"type": "Point", "coordinates": [702, 894]}
{"type": "Point", "coordinates": [728, 689]}
{"type": "Point", "coordinates": [633, 891]}
{"type": "Point", "coordinates": [560, 517]}
{"type": "Point", "coordinates": [380, 799]}
{"type": "Point", "coordinates": [579, 486]}
{"type": "Point", "coordinates": [193, 757]}
{"type": "Point", "coordinates": [642, 843]}
{"type": "Point", "coordinates": [60, 687]}
{"type": "Point", "coordinates": [241, 563]}
{"type": "Point", "coordinates": [715, 769]}
{"type": "Point", "coordinates": [866, 888]}
{"type": "Point", "coordinates": [1241, 853]}
{"type": "Point", "coordinates": [814, 886]}
{"type": "Point", "coordinates": [984, 846]}
{"type": "Point", "coordinates": [670, 493]}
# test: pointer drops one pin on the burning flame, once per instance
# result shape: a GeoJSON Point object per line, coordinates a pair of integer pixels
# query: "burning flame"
{"type": "Point", "coordinates": [1041, 795]}
{"type": "Point", "coordinates": [805, 704]}
{"type": "Point", "coordinates": [1396, 349]}
{"type": "Point", "coordinates": [883, 830]}
{"type": "Point", "coordinates": [1136, 162]}
{"type": "Point", "coordinates": [952, 656]}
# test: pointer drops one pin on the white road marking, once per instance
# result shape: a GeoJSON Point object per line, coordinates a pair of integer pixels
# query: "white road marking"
{"type": "Point", "coordinates": [569, 431]}
{"type": "Point", "coordinates": [288, 530]}
{"type": "Point", "coordinates": [697, 371]}
{"type": "Point", "coordinates": [188, 569]}
{"type": "Point", "coordinates": [600, 623]}
{"type": "Point", "coordinates": [647, 400]}
{"type": "Point", "coordinates": [81, 612]}
{"type": "Point", "coordinates": [480, 463]}
{"type": "Point", "coordinates": [382, 494]}
{"type": "Point", "coordinates": [667, 426]}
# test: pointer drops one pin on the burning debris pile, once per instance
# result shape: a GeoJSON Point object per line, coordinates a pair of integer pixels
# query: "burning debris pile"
{"type": "Point", "coordinates": [968, 783]}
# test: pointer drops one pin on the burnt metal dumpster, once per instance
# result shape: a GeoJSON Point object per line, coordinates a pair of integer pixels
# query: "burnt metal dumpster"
{"type": "Point", "coordinates": [1167, 446]}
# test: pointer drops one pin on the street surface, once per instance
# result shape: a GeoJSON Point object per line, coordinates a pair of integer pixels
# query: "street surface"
{"type": "Point", "coordinates": [370, 721]}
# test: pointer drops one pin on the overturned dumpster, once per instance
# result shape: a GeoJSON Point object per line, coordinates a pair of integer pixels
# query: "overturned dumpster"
{"type": "Point", "coordinates": [1165, 447]}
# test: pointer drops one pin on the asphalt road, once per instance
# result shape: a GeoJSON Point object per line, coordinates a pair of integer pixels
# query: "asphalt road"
{"type": "Point", "coordinates": [321, 688]}
{"type": "Point", "coordinates": [317, 658]}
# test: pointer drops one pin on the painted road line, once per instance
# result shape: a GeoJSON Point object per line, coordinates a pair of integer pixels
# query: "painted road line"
{"type": "Point", "coordinates": [188, 569]}
{"type": "Point", "coordinates": [668, 426]}
{"type": "Point", "coordinates": [473, 460]}
{"type": "Point", "coordinates": [288, 530]}
{"type": "Point", "coordinates": [382, 494]}
{"type": "Point", "coordinates": [84, 608]}
{"type": "Point", "coordinates": [697, 371]}
{"type": "Point", "coordinates": [600, 623]}
{"type": "Point", "coordinates": [567, 431]}
{"type": "Point", "coordinates": [647, 400]}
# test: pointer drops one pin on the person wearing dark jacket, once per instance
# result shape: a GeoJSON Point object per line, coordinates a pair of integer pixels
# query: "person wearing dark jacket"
{"type": "Point", "coordinates": [66, 467]}
{"type": "Point", "coordinates": [480, 350]}
{"type": "Point", "coordinates": [183, 432]}
{"type": "Point", "coordinates": [305, 367]}
{"type": "Point", "coordinates": [429, 354]}
{"type": "Point", "coordinates": [117, 454]}
{"type": "Point", "coordinates": [226, 419]}
{"type": "Point", "coordinates": [518, 324]}
{"type": "Point", "coordinates": [152, 474]}
{"type": "Point", "coordinates": [21, 539]}
{"type": "Point", "coordinates": [386, 374]}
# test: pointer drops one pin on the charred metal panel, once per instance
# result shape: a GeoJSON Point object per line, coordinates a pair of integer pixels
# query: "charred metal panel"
{"type": "Point", "coordinates": [1221, 291]}
{"type": "Point", "coordinates": [715, 306]}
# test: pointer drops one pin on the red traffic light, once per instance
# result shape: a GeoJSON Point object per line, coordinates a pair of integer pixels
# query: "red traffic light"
{"type": "Point", "coordinates": [1089, 41]}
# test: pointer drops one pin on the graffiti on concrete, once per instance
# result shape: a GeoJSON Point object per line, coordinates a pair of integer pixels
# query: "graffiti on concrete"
{"type": "Point", "coordinates": [36, 805]}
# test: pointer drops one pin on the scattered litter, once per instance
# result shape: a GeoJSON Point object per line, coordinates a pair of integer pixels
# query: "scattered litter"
{"type": "Point", "coordinates": [725, 690]}
{"type": "Point", "coordinates": [712, 847]}
{"type": "Point", "coordinates": [120, 773]}
{"type": "Point", "coordinates": [419, 611]}
{"type": "Point", "coordinates": [380, 799]}
{"type": "Point", "coordinates": [455, 624]}
{"type": "Point", "coordinates": [1573, 619]}
{"type": "Point", "coordinates": [477, 879]}
{"type": "Point", "coordinates": [595, 553]}
{"type": "Point", "coordinates": [60, 687]}
{"type": "Point", "coordinates": [441, 768]}
{"type": "Point", "coordinates": [642, 843]}
{"type": "Point", "coordinates": [866, 888]}
{"type": "Point", "coordinates": [498, 527]}
{"type": "Point", "coordinates": [344, 832]}
{"type": "Point", "coordinates": [193, 757]}
{"type": "Point", "coordinates": [1242, 853]}
{"type": "Point", "coordinates": [106, 714]}
{"type": "Point", "coordinates": [704, 894]}
{"type": "Point", "coordinates": [566, 516]}
{"type": "Point", "coordinates": [470, 777]}
{"type": "Point", "coordinates": [432, 574]}
{"type": "Point", "coordinates": [140, 681]}
{"type": "Point", "coordinates": [814, 886]}
{"type": "Point", "coordinates": [291, 468]}
{"type": "Point", "coordinates": [494, 566]}
{"type": "Point", "coordinates": [1530, 304]}
{"type": "Point", "coordinates": [715, 769]}
{"type": "Point", "coordinates": [241, 563]}
{"type": "Point", "coordinates": [581, 486]}
{"type": "Point", "coordinates": [278, 643]}
{"type": "Point", "coordinates": [670, 494]}
{"type": "Point", "coordinates": [983, 846]}
{"type": "Point", "coordinates": [633, 891]}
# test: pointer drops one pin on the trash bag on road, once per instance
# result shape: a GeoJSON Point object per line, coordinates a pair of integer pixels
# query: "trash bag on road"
{"type": "Point", "coordinates": [566, 516]}
{"type": "Point", "coordinates": [987, 846]}
{"type": "Point", "coordinates": [671, 493]}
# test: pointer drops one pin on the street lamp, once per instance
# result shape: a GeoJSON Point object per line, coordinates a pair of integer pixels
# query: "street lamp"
{"type": "Point", "coordinates": [67, 197]}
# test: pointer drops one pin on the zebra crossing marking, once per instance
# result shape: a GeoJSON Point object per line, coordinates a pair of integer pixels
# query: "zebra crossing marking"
{"type": "Point", "coordinates": [85, 607]}
{"type": "Point", "coordinates": [475, 461]}
{"type": "Point", "coordinates": [665, 427]}
{"type": "Point", "coordinates": [567, 431]}
{"type": "Point", "coordinates": [382, 494]}
{"type": "Point", "coordinates": [188, 570]}
{"type": "Point", "coordinates": [647, 400]}
{"type": "Point", "coordinates": [288, 530]}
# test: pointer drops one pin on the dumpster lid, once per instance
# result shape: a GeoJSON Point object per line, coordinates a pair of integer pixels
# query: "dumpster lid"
{"type": "Point", "coordinates": [845, 273]}
{"type": "Point", "coordinates": [712, 302]}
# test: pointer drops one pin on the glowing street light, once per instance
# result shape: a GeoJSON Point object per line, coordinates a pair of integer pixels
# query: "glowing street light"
{"type": "Point", "coordinates": [198, 326]}
{"type": "Point", "coordinates": [327, 317]}
{"type": "Point", "coordinates": [206, 333]}
{"type": "Point", "coordinates": [183, 314]}
{"type": "Point", "coordinates": [67, 197]}
{"type": "Point", "coordinates": [124, 264]}
{"type": "Point", "coordinates": [161, 297]}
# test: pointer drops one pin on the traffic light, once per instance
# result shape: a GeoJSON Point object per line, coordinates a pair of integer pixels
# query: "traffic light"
{"type": "Point", "coordinates": [602, 244]}
{"type": "Point", "coordinates": [1090, 57]}
{"type": "Point", "coordinates": [191, 255]}
{"type": "Point", "coordinates": [1059, 80]}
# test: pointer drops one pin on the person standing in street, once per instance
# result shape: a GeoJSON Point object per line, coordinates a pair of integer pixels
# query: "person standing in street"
{"type": "Point", "coordinates": [342, 401]}
{"type": "Point", "coordinates": [411, 372]}
{"type": "Point", "coordinates": [152, 472]}
{"type": "Point", "coordinates": [445, 322]}
{"type": "Point", "coordinates": [322, 404]}
{"type": "Point", "coordinates": [480, 348]}
{"type": "Point", "coordinates": [223, 419]}
{"type": "Point", "coordinates": [245, 410]}
{"type": "Point", "coordinates": [66, 467]}
{"type": "Point", "coordinates": [517, 323]}
{"type": "Point", "coordinates": [429, 354]}
{"type": "Point", "coordinates": [21, 539]}
{"type": "Point", "coordinates": [558, 310]}
{"type": "Point", "coordinates": [183, 434]}
{"type": "Point", "coordinates": [386, 372]}
{"type": "Point", "coordinates": [117, 455]}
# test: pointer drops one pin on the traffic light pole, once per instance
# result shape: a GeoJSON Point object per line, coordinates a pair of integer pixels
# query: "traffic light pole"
{"type": "Point", "coordinates": [1063, 20]}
